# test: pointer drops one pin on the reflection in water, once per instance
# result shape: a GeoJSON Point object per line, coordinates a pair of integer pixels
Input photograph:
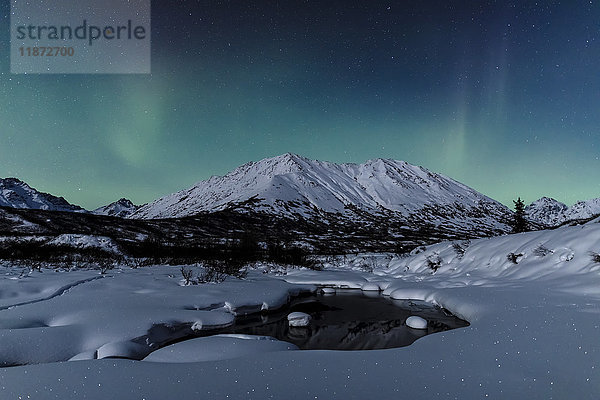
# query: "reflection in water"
{"type": "Point", "coordinates": [349, 321]}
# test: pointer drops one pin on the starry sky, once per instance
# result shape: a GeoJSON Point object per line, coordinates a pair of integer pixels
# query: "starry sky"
{"type": "Point", "coordinates": [503, 96]}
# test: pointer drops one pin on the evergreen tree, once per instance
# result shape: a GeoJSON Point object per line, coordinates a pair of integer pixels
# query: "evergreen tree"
{"type": "Point", "coordinates": [519, 223]}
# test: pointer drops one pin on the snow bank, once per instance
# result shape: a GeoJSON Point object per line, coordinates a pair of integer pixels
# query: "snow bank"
{"type": "Point", "coordinates": [106, 315]}
{"type": "Point", "coordinates": [370, 287]}
{"type": "Point", "coordinates": [218, 347]}
{"type": "Point", "coordinates": [338, 279]}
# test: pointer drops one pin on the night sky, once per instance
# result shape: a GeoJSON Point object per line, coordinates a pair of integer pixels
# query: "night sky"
{"type": "Point", "coordinates": [502, 96]}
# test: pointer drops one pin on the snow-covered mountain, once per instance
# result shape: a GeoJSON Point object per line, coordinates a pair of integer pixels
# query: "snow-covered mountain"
{"type": "Point", "coordinates": [121, 208]}
{"type": "Point", "coordinates": [17, 194]}
{"type": "Point", "coordinates": [584, 209]}
{"type": "Point", "coordinates": [550, 212]}
{"type": "Point", "coordinates": [546, 211]}
{"type": "Point", "coordinates": [293, 186]}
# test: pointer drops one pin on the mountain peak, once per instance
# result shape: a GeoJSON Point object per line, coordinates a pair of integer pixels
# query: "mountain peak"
{"type": "Point", "coordinates": [550, 212]}
{"type": "Point", "coordinates": [546, 200]}
{"type": "Point", "coordinates": [291, 156]}
{"type": "Point", "coordinates": [11, 181]}
{"type": "Point", "coordinates": [290, 159]}
{"type": "Point", "coordinates": [125, 202]}
{"type": "Point", "coordinates": [17, 194]}
{"type": "Point", "coordinates": [121, 208]}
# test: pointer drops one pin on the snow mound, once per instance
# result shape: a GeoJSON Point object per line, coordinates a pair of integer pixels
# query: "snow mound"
{"type": "Point", "coordinates": [370, 287]}
{"type": "Point", "coordinates": [416, 322]}
{"type": "Point", "coordinates": [335, 279]}
{"type": "Point", "coordinates": [218, 347]}
{"type": "Point", "coordinates": [298, 319]}
{"type": "Point", "coordinates": [122, 349]}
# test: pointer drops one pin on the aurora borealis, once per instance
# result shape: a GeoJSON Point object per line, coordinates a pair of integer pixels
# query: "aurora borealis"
{"type": "Point", "coordinates": [502, 96]}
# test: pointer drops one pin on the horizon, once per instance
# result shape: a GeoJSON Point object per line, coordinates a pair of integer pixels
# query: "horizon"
{"type": "Point", "coordinates": [500, 97]}
{"type": "Point", "coordinates": [511, 205]}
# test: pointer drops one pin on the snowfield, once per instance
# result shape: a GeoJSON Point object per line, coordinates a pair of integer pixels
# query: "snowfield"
{"type": "Point", "coordinates": [533, 301]}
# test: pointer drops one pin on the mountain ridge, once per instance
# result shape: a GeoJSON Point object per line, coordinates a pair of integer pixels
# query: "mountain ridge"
{"type": "Point", "coordinates": [122, 208]}
{"type": "Point", "coordinates": [18, 194]}
{"type": "Point", "coordinates": [295, 186]}
{"type": "Point", "coordinates": [551, 212]}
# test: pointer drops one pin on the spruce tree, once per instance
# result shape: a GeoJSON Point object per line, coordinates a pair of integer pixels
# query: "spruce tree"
{"type": "Point", "coordinates": [519, 222]}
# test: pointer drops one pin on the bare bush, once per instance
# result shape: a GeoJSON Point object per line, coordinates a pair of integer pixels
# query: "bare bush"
{"type": "Point", "coordinates": [187, 275]}
{"type": "Point", "coordinates": [105, 265]}
{"type": "Point", "coordinates": [291, 255]}
{"type": "Point", "coordinates": [368, 264]}
{"type": "Point", "coordinates": [214, 271]}
{"type": "Point", "coordinates": [434, 262]}
{"type": "Point", "coordinates": [542, 251]}
{"type": "Point", "coordinates": [276, 269]}
{"type": "Point", "coordinates": [514, 258]}
{"type": "Point", "coordinates": [460, 248]}
{"type": "Point", "coordinates": [595, 257]}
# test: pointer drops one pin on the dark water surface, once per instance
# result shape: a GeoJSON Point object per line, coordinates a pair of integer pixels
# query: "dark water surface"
{"type": "Point", "coordinates": [349, 320]}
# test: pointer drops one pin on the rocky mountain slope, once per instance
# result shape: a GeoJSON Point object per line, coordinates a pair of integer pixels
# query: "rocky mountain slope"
{"type": "Point", "coordinates": [550, 212]}
{"type": "Point", "coordinates": [121, 208]}
{"type": "Point", "coordinates": [17, 194]}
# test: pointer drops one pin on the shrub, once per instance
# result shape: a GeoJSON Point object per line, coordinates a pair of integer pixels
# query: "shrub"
{"type": "Point", "coordinates": [291, 255]}
{"type": "Point", "coordinates": [217, 270]}
{"type": "Point", "coordinates": [460, 248]}
{"type": "Point", "coordinates": [514, 258]}
{"type": "Point", "coordinates": [276, 269]}
{"type": "Point", "coordinates": [105, 265]}
{"type": "Point", "coordinates": [595, 257]}
{"type": "Point", "coordinates": [368, 265]}
{"type": "Point", "coordinates": [32, 264]}
{"type": "Point", "coordinates": [210, 275]}
{"type": "Point", "coordinates": [214, 271]}
{"type": "Point", "coordinates": [434, 262]}
{"type": "Point", "coordinates": [187, 275]}
{"type": "Point", "coordinates": [542, 251]}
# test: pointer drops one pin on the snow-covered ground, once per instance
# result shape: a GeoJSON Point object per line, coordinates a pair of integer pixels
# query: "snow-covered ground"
{"type": "Point", "coordinates": [534, 328]}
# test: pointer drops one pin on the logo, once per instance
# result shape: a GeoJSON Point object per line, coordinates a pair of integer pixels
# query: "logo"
{"type": "Point", "coordinates": [80, 36]}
